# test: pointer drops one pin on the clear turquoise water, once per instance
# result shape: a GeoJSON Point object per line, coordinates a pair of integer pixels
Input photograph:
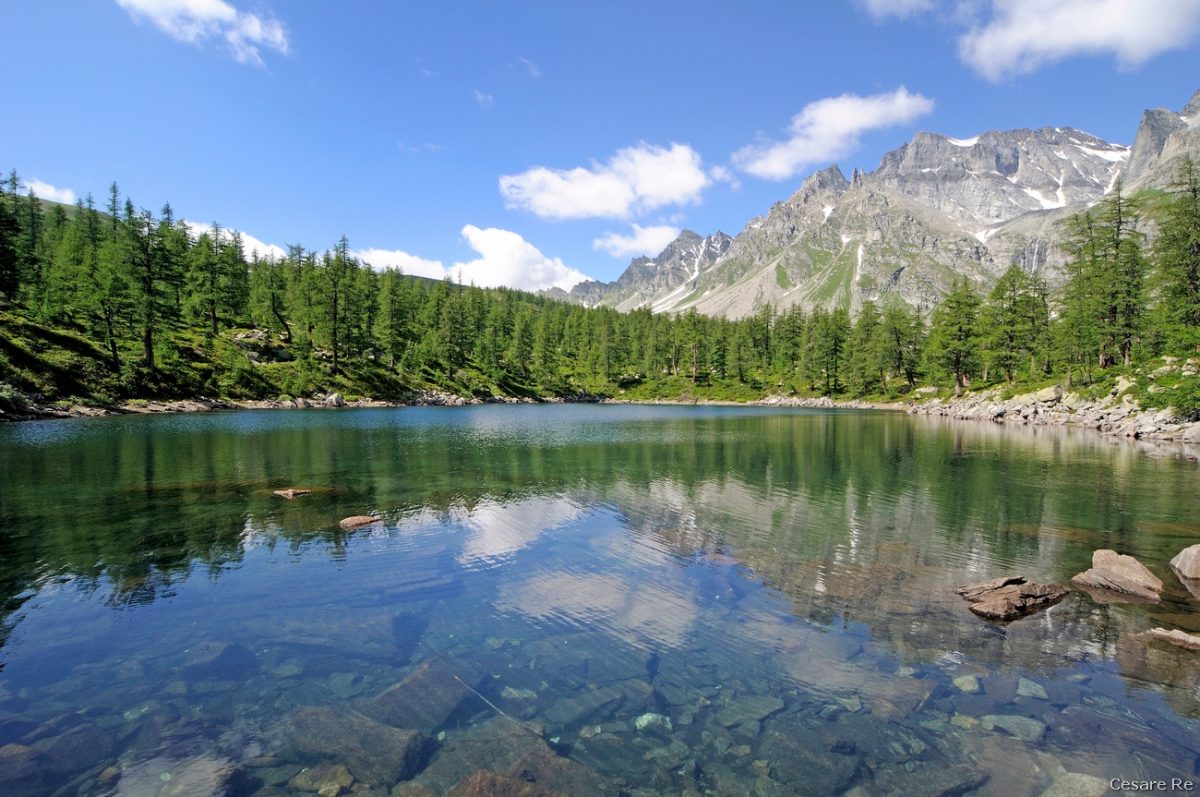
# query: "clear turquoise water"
{"type": "Point", "coordinates": [641, 600]}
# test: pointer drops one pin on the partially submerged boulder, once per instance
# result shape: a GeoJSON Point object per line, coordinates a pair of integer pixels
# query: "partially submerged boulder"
{"type": "Point", "coordinates": [1186, 563]}
{"type": "Point", "coordinates": [358, 521]}
{"type": "Point", "coordinates": [1116, 573]}
{"type": "Point", "coordinates": [1176, 637]}
{"type": "Point", "coordinates": [1011, 597]}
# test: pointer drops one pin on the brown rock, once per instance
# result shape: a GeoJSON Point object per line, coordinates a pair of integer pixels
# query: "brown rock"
{"type": "Point", "coordinates": [358, 521]}
{"type": "Point", "coordinates": [492, 784]}
{"type": "Point", "coordinates": [374, 752]}
{"type": "Point", "coordinates": [1124, 575]}
{"type": "Point", "coordinates": [1011, 597]}
{"type": "Point", "coordinates": [544, 767]}
{"type": "Point", "coordinates": [1186, 563]}
{"type": "Point", "coordinates": [1175, 637]}
{"type": "Point", "coordinates": [291, 492]}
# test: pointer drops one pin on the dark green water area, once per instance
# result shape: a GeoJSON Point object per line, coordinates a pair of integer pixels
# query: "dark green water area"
{"type": "Point", "coordinates": [581, 600]}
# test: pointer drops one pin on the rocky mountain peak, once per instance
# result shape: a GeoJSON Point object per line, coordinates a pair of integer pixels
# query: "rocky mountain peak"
{"type": "Point", "coordinates": [1192, 109]}
{"type": "Point", "coordinates": [828, 179]}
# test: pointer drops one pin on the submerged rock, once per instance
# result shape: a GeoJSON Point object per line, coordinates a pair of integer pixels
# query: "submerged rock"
{"type": "Point", "coordinates": [425, 699]}
{"type": "Point", "coordinates": [653, 721]}
{"type": "Point", "coordinates": [291, 492]}
{"type": "Point", "coordinates": [1121, 574]}
{"type": "Point", "coordinates": [1024, 728]}
{"type": "Point", "coordinates": [749, 708]}
{"type": "Point", "coordinates": [967, 684]}
{"type": "Point", "coordinates": [1011, 597]}
{"type": "Point", "coordinates": [323, 778]}
{"type": "Point", "coordinates": [217, 660]}
{"type": "Point", "coordinates": [1077, 784]}
{"type": "Point", "coordinates": [1175, 637]}
{"type": "Point", "coordinates": [358, 521]}
{"type": "Point", "coordinates": [1032, 689]}
{"type": "Point", "coordinates": [20, 774]}
{"type": "Point", "coordinates": [374, 752]}
{"type": "Point", "coordinates": [483, 783]}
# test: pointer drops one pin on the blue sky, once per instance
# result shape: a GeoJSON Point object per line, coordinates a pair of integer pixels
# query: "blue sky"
{"type": "Point", "coordinates": [531, 143]}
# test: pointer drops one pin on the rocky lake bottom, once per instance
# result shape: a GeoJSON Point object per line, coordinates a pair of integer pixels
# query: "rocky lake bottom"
{"type": "Point", "coordinates": [582, 600]}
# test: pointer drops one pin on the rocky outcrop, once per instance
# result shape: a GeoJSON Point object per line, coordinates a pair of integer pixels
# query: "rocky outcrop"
{"type": "Point", "coordinates": [1011, 598]}
{"type": "Point", "coordinates": [1124, 575]}
{"type": "Point", "coordinates": [1116, 414]}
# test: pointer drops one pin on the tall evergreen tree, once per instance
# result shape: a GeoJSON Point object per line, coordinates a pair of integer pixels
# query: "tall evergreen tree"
{"type": "Point", "coordinates": [953, 344]}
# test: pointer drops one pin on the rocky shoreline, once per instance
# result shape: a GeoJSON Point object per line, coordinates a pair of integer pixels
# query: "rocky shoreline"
{"type": "Point", "coordinates": [1115, 415]}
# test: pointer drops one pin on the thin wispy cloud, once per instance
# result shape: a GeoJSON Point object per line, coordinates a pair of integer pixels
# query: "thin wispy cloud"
{"type": "Point", "coordinates": [530, 66]}
{"type": "Point", "coordinates": [829, 129]}
{"type": "Point", "coordinates": [419, 149]}
{"type": "Point", "coordinates": [635, 180]}
{"type": "Point", "coordinates": [483, 99]}
{"type": "Point", "coordinates": [895, 9]}
{"type": "Point", "coordinates": [44, 190]}
{"type": "Point", "coordinates": [643, 241]}
{"type": "Point", "coordinates": [244, 34]}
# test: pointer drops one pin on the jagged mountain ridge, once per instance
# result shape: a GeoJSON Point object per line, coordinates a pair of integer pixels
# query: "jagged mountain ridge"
{"type": "Point", "coordinates": [936, 208]}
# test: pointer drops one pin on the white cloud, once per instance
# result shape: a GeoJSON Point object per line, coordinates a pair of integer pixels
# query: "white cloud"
{"type": "Point", "coordinates": [884, 9]}
{"type": "Point", "coordinates": [829, 129]}
{"type": "Point", "coordinates": [534, 70]}
{"type": "Point", "coordinates": [396, 258]}
{"type": "Point", "coordinates": [51, 192]}
{"type": "Point", "coordinates": [195, 21]}
{"type": "Point", "coordinates": [644, 241]}
{"type": "Point", "coordinates": [1025, 35]}
{"type": "Point", "coordinates": [634, 180]}
{"type": "Point", "coordinates": [250, 244]}
{"type": "Point", "coordinates": [505, 258]}
{"type": "Point", "coordinates": [482, 99]}
{"type": "Point", "coordinates": [723, 174]}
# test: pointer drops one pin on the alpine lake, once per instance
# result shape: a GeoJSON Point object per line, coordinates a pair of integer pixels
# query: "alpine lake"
{"type": "Point", "coordinates": [582, 600]}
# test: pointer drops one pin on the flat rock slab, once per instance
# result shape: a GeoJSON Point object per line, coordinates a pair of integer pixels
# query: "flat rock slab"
{"type": "Point", "coordinates": [375, 753]}
{"type": "Point", "coordinates": [1119, 574]}
{"type": "Point", "coordinates": [1011, 597]}
{"type": "Point", "coordinates": [1175, 637]}
{"type": "Point", "coordinates": [358, 521]}
{"type": "Point", "coordinates": [426, 698]}
{"type": "Point", "coordinates": [1186, 563]}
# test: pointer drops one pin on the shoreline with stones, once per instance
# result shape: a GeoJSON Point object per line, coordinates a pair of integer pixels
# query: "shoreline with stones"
{"type": "Point", "coordinates": [1116, 415]}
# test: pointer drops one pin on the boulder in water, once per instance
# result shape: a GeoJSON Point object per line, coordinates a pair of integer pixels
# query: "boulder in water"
{"type": "Point", "coordinates": [358, 521]}
{"type": "Point", "coordinates": [1123, 575]}
{"type": "Point", "coordinates": [1011, 597]}
{"type": "Point", "coordinates": [1186, 563]}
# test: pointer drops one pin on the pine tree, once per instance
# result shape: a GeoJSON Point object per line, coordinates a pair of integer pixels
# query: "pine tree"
{"type": "Point", "coordinates": [953, 345]}
{"type": "Point", "coordinates": [1177, 254]}
{"type": "Point", "coordinates": [1014, 323]}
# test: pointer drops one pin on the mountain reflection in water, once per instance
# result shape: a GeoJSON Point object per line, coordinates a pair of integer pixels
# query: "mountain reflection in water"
{"type": "Point", "coordinates": [704, 600]}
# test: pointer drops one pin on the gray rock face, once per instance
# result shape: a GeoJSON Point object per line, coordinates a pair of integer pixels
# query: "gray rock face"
{"type": "Point", "coordinates": [647, 279]}
{"type": "Point", "coordinates": [936, 209]}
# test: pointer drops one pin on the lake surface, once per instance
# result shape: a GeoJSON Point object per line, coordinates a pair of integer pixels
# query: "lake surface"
{"type": "Point", "coordinates": [597, 599]}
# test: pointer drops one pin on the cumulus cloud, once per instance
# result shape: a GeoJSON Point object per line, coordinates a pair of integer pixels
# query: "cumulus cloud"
{"type": "Point", "coordinates": [399, 259]}
{"type": "Point", "coordinates": [829, 129]}
{"type": "Point", "coordinates": [636, 179]}
{"type": "Point", "coordinates": [885, 9]}
{"type": "Point", "coordinates": [505, 258]}
{"type": "Point", "coordinates": [250, 244]}
{"type": "Point", "coordinates": [1022, 36]}
{"type": "Point", "coordinates": [245, 34]}
{"type": "Point", "coordinates": [52, 192]}
{"type": "Point", "coordinates": [643, 241]}
{"type": "Point", "coordinates": [482, 99]}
